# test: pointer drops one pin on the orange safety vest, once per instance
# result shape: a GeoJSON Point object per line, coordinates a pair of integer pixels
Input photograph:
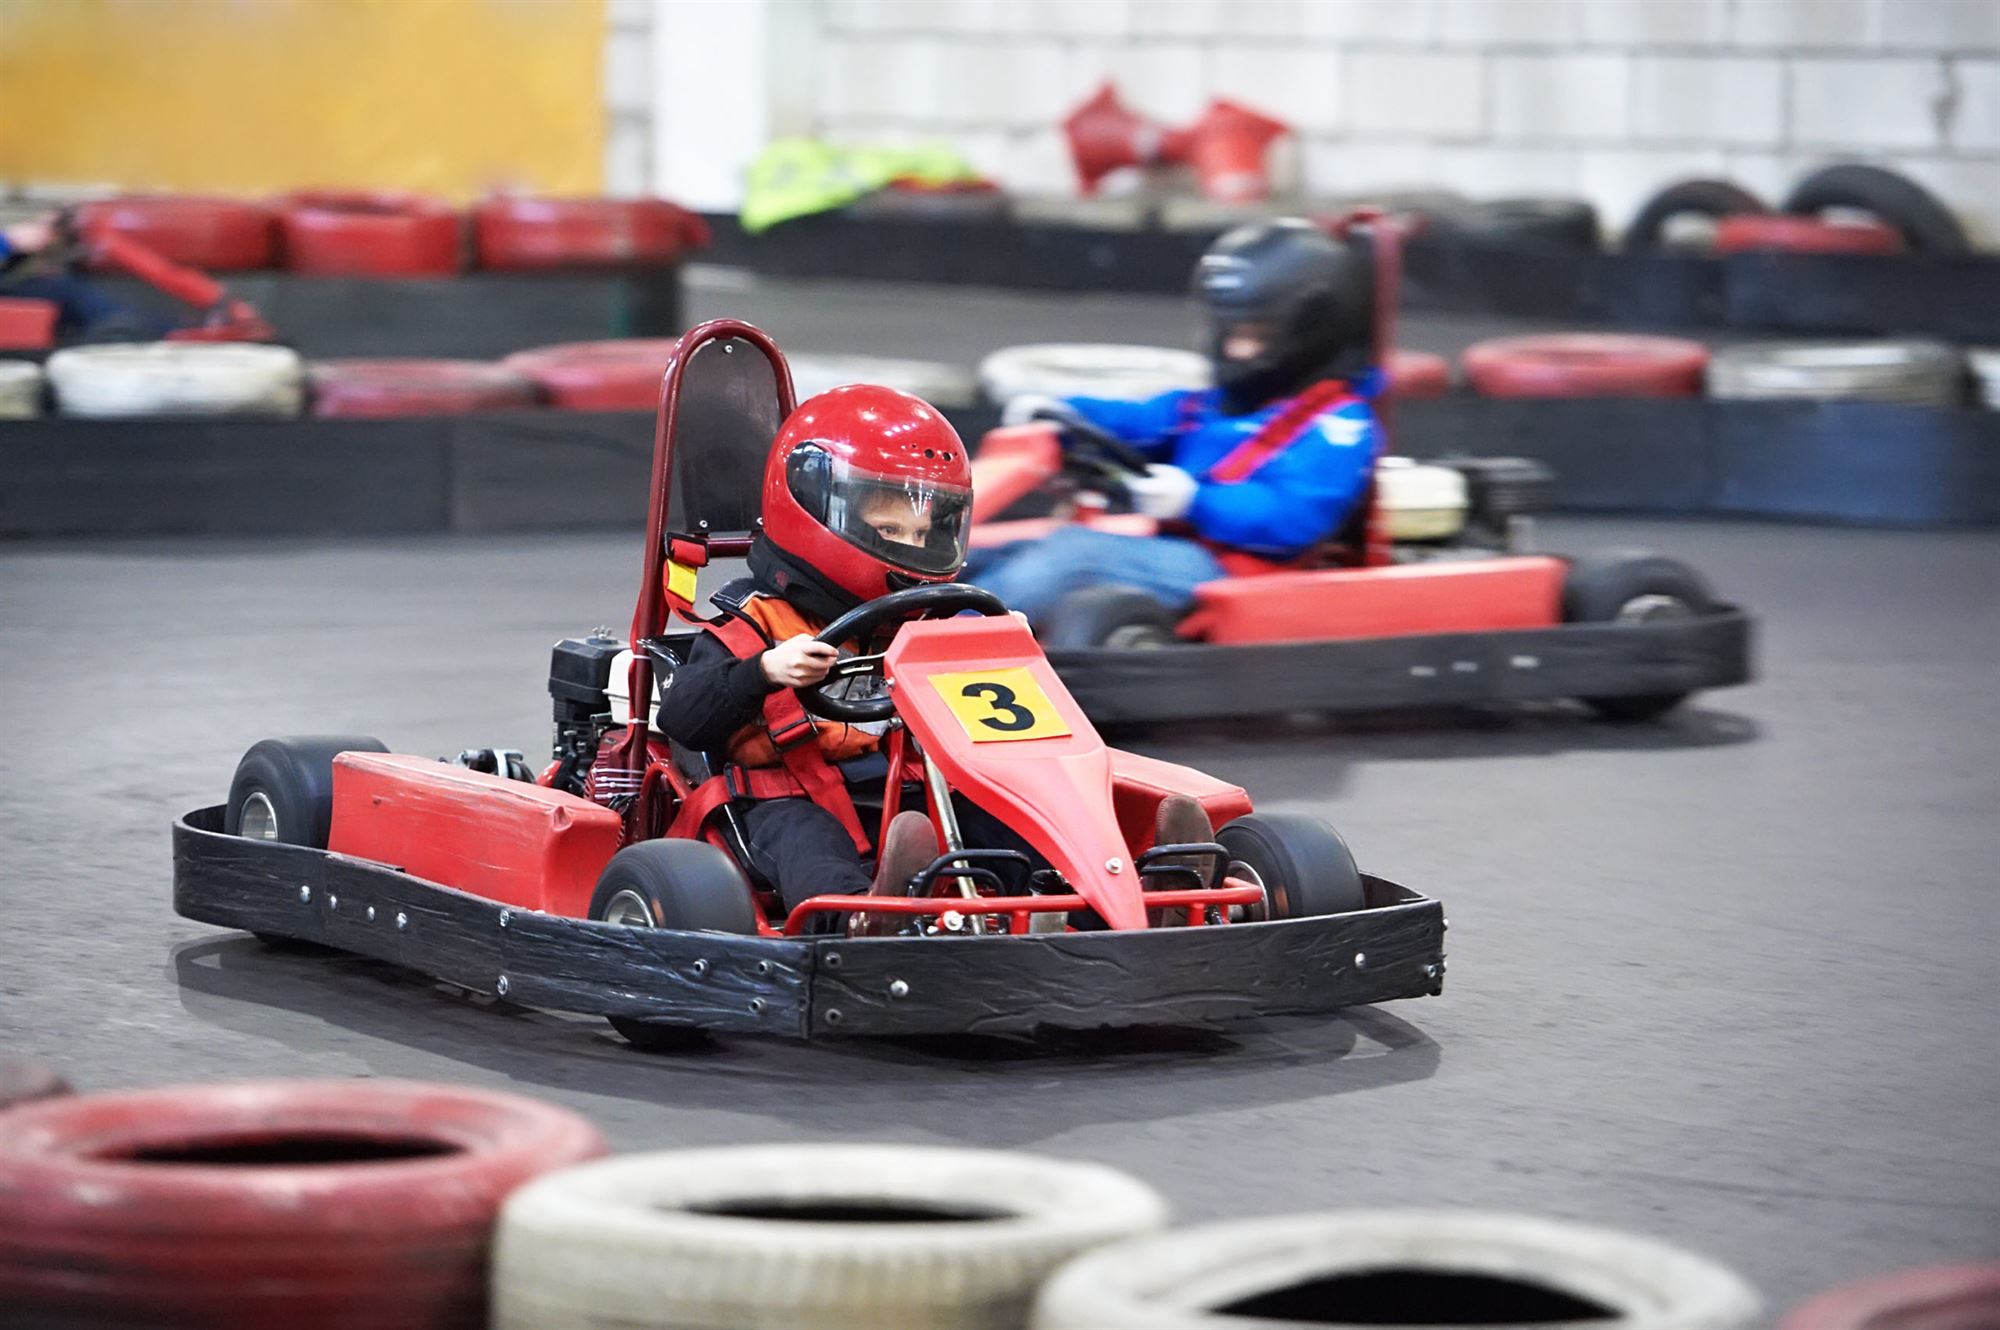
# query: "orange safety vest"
{"type": "Point", "coordinates": [751, 746]}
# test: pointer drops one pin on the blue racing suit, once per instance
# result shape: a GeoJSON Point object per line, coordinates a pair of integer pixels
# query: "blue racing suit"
{"type": "Point", "coordinates": [1299, 496]}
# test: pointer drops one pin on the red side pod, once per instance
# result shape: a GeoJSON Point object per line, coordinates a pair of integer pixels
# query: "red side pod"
{"type": "Point", "coordinates": [1450, 596]}
{"type": "Point", "coordinates": [507, 840]}
{"type": "Point", "coordinates": [1139, 783]}
{"type": "Point", "coordinates": [27, 325]}
{"type": "Point", "coordinates": [1013, 462]}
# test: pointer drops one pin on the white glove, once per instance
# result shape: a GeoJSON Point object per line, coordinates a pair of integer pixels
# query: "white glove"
{"type": "Point", "coordinates": [1163, 493]}
{"type": "Point", "coordinates": [1021, 407]}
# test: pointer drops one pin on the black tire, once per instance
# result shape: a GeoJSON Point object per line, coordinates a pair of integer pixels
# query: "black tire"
{"type": "Point", "coordinates": [1306, 867]}
{"type": "Point", "coordinates": [1537, 223]}
{"type": "Point", "coordinates": [295, 778]}
{"type": "Point", "coordinates": [1700, 198]}
{"type": "Point", "coordinates": [1613, 587]}
{"type": "Point", "coordinates": [681, 884]}
{"type": "Point", "coordinates": [1928, 226]}
{"type": "Point", "coordinates": [1108, 616]}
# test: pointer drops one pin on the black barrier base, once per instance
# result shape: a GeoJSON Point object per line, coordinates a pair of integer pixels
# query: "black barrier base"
{"type": "Point", "coordinates": [829, 987]}
{"type": "Point", "coordinates": [1858, 462]}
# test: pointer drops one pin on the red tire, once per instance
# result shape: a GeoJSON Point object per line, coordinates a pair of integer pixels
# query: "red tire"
{"type": "Point", "coordinates": [517, 234]}
{"type": "Point", "coordinates": [24, 1082]}
{"type": "Point", "coordinates": [218, 235]}
{"type": "Point", "coordinates": [358, 234]}
{"type": "Point", "coordinates": [303, 1205]}
{"type": "Point", "coordinates": [1414, 374]}
{"type": "Point", "coordinates": [598, 376]}
{"type": "Point", "coordinates": [357, 388]}
{"type": "Point", "coordinates": [1952, 1297]}
{"type": "Point", "coordinates": [1804, 235]}
{"type": "Point", "coordinates": [1586, 365]}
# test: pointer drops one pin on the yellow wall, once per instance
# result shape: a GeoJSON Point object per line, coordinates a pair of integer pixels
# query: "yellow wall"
{"type": "Point", "coordinates": [448, 96]}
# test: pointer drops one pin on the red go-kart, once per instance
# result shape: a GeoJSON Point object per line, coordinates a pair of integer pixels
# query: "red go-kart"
{"type": "Point", "coordinates": [617, 882]}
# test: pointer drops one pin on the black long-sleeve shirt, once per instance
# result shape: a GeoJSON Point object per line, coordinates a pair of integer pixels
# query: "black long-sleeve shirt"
{"type": "Point", "coordinates": [713, 696]}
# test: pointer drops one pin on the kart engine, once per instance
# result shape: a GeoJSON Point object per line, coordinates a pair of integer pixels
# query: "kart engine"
{"type": "Point", "coordinates": [579, 671]}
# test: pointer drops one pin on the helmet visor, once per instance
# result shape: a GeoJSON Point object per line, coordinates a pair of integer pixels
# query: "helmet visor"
{"type": "Point", "coordinates": [908, 523]}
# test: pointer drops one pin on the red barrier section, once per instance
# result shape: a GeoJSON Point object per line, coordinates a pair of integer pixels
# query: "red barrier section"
{"type": "Point", "coordinates": [507, 840]}
{"type": "Point", "coordinates": [598, 376]}
{"type": "Point", "coordinates": [1951, 1297]}
{"type": "Point", "coordinates": [353, 233]}
{"type": "Point", "coordinates": [216, 234]}
{"type": "Point", "coordinates": [354, 388]}
{"type": "Point", "coordinates": [27, 325]}
{"type": "Point", "coordinates": [1804, 235]}
{"type": "Point", "coordinates": [1586, 365]}
{"type": "Point", "coordinates": [1443, 597]}
{"type": "Point", "coordinates": [306, 1205]}
{"type": "Point", "coordinates": [520, 233]}
{"type": "Point", "coordinates": [1417, 374]}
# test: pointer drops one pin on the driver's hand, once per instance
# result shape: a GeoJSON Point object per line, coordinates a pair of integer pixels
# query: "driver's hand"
{"type": "Point", "coordinates": [798, 661]}
{"type": "Point", "coordinates": [32, 235]}
{"type": "Point", "coordinates": [1164, 492]}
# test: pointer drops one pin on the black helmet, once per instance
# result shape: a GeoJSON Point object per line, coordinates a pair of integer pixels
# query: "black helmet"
{"type": "Point", "coordinates": [1309, 297]}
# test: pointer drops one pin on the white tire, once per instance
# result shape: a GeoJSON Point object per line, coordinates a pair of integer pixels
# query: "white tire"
{"type": "Point", "coordinates": [1915, 372]}
{"type": "Point", "coordinates": [1311, 1270]}
{"type": "Point", "coordinates": [1986, 369]}
{"type": "Point", "coordinates": [177, 379]}
{"type": "Point", "coordinates": [20, 390]}
{"type": "Point", "coordinates": [939, 384]}
{"type": "Point", "coordinates": [704, 1238]}
{"type": "Point", "coordinates": [1091, 369]}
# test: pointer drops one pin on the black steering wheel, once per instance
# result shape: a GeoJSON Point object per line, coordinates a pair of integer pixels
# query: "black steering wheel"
{"type": "Point", "coordinates": [862, 623]}
{"type": "Point", "coordinates": [1094, 451]}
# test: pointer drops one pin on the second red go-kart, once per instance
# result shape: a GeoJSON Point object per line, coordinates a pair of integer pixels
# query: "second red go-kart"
{"type": "Point", "coordinates": [1424, 598]}
{"type": "Point", "coordinates": [616, 883]}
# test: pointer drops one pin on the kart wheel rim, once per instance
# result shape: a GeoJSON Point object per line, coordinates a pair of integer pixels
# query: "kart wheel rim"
{"type": "Point", "coordinates": [628, 909]}
{"type": "Point", "coordinates": [260, 820]}
{"type": "Point", "coordinates": [1257, 912]}
{"type": "Point", "coordinates": [1135, 637]}
{"type": "Point", "coordinates": [1651, 607]}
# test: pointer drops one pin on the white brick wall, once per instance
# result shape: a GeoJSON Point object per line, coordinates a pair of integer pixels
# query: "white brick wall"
{"type": "Point", "coordinates": [1608, 98]}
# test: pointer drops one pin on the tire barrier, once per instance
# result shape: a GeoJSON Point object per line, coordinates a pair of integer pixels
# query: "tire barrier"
{"type": "Point", "coordinates": [1913, 372]}
{"type": "Point", "coordinates": [1585, 365]}
{"type": "Point", "coordinates": [621, 375]}
{"type": "Point", "coordinates": [1438, 1269]}
{"type": "Point", "coordinates": [1986, 372]}
{"type": "Point", "coordinates": [24, 1082]}
{"type": "Point", "coordinates": [373, 388]}
{"type": "Point", "coordinates": [177, 379]}
{"type": "Point", "coordinates": [20, 390]}
{"type": "Point", "coordinates": [356, 233]}
{"type": "Point", "coordinates": [1095, 369]}
{"type": "Point", "coordinates": [837, 1237]}
{"type": "Point", "coordinates": [1925, 223]}
{"type": "Point", "coordinates": [1532, 223]}
{"type": "Point", "coordinates": [1417, 374]}
{"type": "Point", "coordinates": [1652, 227]}
{"type": "Point", "coordinates": [1952, 1297]}
{"type": "Point", "coordinates": [217, 235]}
{"type": "Point", "coordinates": [939, 384]}
{"type": "Point", "coordinates": [529, 234]}
{"type": "Point", "coordinates": [1804, 235]}
{"type": "Point", "coordinates": [308, 1205]}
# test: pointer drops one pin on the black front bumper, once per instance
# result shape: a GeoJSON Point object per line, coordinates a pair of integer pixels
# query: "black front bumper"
{"type": "Point", "coordinates": [1437, 669]}
{"type": "Point", "coordinates": [812, 988]}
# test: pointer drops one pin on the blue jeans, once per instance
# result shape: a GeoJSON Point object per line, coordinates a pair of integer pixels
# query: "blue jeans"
{"type": "Point", "coordinates": [1032, 575]}
{"type": "Point", "coordinates": [86, 309]}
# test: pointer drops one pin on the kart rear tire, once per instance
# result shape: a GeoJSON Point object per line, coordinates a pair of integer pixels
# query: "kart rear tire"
{"type": "Point", "coordinates": [1306, 868]}
{"type": "Point", "coordinates": [1394, 1267]}
{"type": "Point", "coordinates": [295, 776]}
{"type": "Point", "coordinates": [681, 884]}
{"type": "Point", "coordinates": [1109, 616]}
{"type": "Point", "coordinates": [307, 1205]}
{"type": "Point", "coordinates": [833, 1236]}
{"type": "Point", "coordinates": [1631, 588]}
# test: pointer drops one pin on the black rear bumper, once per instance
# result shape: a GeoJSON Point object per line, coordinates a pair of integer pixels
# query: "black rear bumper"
{"type": "Point", "coordinates": [1439, 669]}
{"type": "Point", "coordinates": [813, 988]}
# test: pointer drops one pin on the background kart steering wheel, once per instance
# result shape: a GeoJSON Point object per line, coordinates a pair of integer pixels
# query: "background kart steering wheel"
{"type": "Point", "coordinates": [861, 624]}
{"type": "Point", "coordinates": [1094, 454]}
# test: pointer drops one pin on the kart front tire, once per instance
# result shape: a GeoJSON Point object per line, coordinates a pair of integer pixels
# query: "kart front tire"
{"type": "Point", "coordinates": [1113, 616]}
{"type": "Point", "coordinates": [839, 1237]}
{"type": "Point", "coordinates": [1633, 588]}
{"type": "Point", "coordinates": [286, 788]}
{"type": "Point", "coordinates": [686, 885]}
{"type": "Point", "coordinates": [1306, 868]}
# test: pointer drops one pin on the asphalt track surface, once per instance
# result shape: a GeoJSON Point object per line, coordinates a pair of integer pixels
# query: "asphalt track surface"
{"type": "Point", "coordinates": [1729, 980]}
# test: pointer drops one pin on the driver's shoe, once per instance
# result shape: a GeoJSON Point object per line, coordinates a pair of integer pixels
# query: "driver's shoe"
{"type": "Point", "coordinates": [1181, 821]}
{"type": "Point", "coordinates": [907, 847]}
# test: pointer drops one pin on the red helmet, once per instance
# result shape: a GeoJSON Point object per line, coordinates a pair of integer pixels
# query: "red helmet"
{"type": "Point", "coordinates": [868, 490]}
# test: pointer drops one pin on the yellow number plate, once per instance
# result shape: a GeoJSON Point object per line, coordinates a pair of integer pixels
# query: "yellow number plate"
{"type": "Point", "coordinates": [996, 706]}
